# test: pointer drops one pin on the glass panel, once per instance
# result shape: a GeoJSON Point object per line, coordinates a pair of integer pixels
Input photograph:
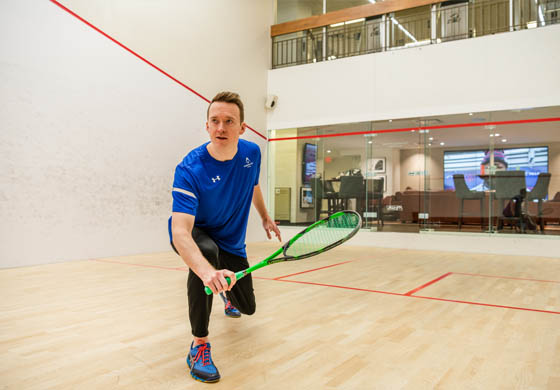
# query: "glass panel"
{"type": "Point", "coordinates": [298, 48]}
{"type": "Point", "coordinates": [448, 173]}
{"type": "Point", "coordinates": [409, 27]}
{"type": "Point", "coordinates": [289, 10]}
{"type": "Point", "coordinates": [488, 17]}
{"type": "Point", "coordinates": [452, 22]}
{"type": "Point", "coordinates": [335, 5]}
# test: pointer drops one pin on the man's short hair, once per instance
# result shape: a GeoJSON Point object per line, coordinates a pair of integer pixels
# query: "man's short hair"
{"type": "Point", "coordinates": [228, 97]}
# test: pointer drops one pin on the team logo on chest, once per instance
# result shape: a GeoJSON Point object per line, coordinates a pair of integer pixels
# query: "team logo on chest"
{"type": "Point", "coordinates": [215, 179]}
{"type": "Point", "coordinates": [248, 163]}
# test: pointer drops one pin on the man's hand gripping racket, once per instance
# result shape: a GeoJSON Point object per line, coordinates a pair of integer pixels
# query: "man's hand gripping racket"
{"type": "Point", "coordinates": [321, 236]}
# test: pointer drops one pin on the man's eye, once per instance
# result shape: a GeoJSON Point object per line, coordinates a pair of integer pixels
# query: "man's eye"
{"type": "Point", "coordinates": [229, 121]}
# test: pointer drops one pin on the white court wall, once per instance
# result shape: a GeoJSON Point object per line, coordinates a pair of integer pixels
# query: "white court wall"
{"type": "Point", "coordinates": [495, 72]}
{"type": "Point", "coordinates": [90, 139]}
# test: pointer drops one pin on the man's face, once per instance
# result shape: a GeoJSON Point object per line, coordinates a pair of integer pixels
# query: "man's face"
{"type": "Point", "coordinates": [224, 125]}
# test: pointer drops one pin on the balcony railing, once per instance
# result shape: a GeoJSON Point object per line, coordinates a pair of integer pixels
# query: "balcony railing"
{"type": "Point", "coordinates": [421, 26]}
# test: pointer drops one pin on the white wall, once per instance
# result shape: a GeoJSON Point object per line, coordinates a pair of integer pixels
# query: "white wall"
{"type": "Point", "coordinates": [496, 72]}
{"type": "Point", "coordinates": [91, 135]}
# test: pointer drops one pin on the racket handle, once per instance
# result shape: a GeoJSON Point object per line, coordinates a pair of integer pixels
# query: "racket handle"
{"type": "Point", "coordinates": [209, 292]}
{"type": "Point", "coordinates": [238, 275]}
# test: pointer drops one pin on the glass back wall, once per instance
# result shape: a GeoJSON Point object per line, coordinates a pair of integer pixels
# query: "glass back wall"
{"type": "Point", "coordinates": [459, 173]}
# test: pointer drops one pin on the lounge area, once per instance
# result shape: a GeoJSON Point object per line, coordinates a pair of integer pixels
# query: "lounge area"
{"type": "Point", "coordinates": [408, 176]}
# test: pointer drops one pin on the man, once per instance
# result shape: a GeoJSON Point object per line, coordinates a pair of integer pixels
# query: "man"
{"type": "Point", "coordinates": [213, 189]}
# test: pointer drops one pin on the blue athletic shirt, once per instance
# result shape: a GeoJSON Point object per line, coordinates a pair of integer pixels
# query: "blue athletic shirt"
{"type": "Point", "coordinates": [218, 193]}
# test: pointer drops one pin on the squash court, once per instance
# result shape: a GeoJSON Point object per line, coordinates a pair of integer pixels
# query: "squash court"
{"type": "Point", "coordinates": [352, 318]}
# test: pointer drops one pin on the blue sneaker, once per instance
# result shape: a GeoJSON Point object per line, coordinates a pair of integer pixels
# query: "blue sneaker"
{"type": "Point", "coordinates": [200, 362]}
{"type": "Point", "coordinates": [230, 310]}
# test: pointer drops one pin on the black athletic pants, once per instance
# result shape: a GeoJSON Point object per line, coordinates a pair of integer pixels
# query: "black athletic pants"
{"type": "Point", "coordinates": [241, 295]}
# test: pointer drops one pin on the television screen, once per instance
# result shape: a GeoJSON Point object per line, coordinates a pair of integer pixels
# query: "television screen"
{"type": "Point", "coordinates": [473, 163]}
{"type": "Point", "coordinates": [309, 166]}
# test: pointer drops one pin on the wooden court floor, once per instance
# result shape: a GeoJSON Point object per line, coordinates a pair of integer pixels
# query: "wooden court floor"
{"type": "Point", "coordinates": [352, 318]}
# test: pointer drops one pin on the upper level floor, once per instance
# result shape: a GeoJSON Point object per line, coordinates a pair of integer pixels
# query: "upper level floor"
{"type": "Point", "coordinates": [391, 24]}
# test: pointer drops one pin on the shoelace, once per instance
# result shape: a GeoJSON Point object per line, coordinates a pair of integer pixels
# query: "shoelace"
{"type": "Point", "coordinates": [204, 353]}
{"type": "Point", "coordinates": [229, 306]}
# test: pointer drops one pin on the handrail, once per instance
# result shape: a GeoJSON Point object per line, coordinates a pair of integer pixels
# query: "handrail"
{"type": "Point", "coordinates": [361, 11]}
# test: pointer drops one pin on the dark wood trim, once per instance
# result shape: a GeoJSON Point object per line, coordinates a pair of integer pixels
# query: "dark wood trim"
{"type": "Point", "coordinates": [361, 11]}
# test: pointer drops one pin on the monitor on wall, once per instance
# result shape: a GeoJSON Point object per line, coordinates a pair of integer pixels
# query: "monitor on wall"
{"type": "Point", "coordinates": [309, 163]}
{"type": "Point", "coordinates": [475, 163]}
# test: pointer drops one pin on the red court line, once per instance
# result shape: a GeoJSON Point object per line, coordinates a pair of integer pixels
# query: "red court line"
{"type": "Point", "coordinates": [427, 284]}
{"type": "Point", "coordinates": [485, 304]}
{"type": "Point", "coordinates": [140, 57]}
{"type": "Point", "coordinates": [419, 128]}
{"type": "Point", "coordinates": [331, 285]}
{"type": "Point", "coordinates": [413, 296]}
{"type": "Point", "coordinates": [506, 277]}
{"type": "Point", "coordinates": [311, 270]}
{"type": "Point", "coordinates": [349, 288]}
{"type": "Point", "coordinates": [141, 265]}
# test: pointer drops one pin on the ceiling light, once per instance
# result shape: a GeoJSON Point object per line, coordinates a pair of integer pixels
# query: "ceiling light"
{"type": "Point", "coordinates": [470, 113]}
{"type": "Point", "coordinates": [497, 135]}
{"type": "Point", "coordinates": [412, 131]}
{"type": "Point", "coordinates": [370, 142]}
{"type": "Point", "coordinates": [442, 143]}
{"type": "Point", "coordinates": [504, 140]}
{"type": "Point", "coordinates": [328, 151]}
{"type": "Point", "coordinates": [372, 1]}
{"type": "Point", "coordinates": [431, 138]}
{"type": "Point", "coordinates": [390, 120]}
{"type": "Point", "coordinates": [355, 21]}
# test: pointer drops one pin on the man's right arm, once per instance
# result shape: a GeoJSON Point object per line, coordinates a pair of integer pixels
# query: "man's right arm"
{"type": "Point", "coordinates": [181, 226]}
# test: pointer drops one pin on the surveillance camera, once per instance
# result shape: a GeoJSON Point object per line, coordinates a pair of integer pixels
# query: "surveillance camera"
{"type": "Point", "coordinates": [271, 101]}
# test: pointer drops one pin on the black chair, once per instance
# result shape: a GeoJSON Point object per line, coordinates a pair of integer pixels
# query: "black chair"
{"type": "Point", "coordinates": [374, 194]}
{"type": "Point", "coordinates": [509, 185]}
{"type": "Point", "coordinates": [540, 192]}
{"type": "Point", "coordinates": [351, 187]}
{"type": "Point", "coordinates": [323, 190]}
{"type": "Point", "coordinates": [463, 193]}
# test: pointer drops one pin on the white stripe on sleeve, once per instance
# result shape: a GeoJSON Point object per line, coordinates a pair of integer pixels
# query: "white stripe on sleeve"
{"type": "Point", "coordinates": [184, 192]}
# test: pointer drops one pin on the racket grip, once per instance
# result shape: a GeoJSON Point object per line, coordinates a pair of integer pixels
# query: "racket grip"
{"type": "Point", "coordinates": [209, 292]}
{"type": "Point", "coordinates": [238, 275]}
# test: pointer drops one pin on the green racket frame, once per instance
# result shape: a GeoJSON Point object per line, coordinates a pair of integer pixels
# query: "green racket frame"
{"type": "Point", "coordinates": [273, 257]}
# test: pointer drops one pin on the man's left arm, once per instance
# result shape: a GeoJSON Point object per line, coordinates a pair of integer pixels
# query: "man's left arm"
{"type": "Point", "coordinates": [268, 223]}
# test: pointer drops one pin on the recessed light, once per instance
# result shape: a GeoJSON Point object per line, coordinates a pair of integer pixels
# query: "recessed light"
{"type": "Point", "coordinates": [497, 135]}
{"type": "Point", "coordinates": [431, 138]}
{"type": "Point", "coordinates": [504, 140]}
{"type": "Point", "coordinates": [412, 131]}
{"type": "Point", "coordinates": [442, 143]}
{"type": "Point", "coordinates": [470, 113]}
{"type": "Point", "coordinates": [370, 142]}
{"type": "Point", "coordinates": [390, 120]}
{"type": "Point", "coordinates": [328, 151]}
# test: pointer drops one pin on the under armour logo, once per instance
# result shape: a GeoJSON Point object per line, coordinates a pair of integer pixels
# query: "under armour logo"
{"type": "Point", "coordinates": [215, 179]}
{"type": "Point", "coordinates": [248, 163]}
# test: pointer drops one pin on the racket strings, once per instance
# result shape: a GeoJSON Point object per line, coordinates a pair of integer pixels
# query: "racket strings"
{"type": "Point", "coordinates": [333, 230]}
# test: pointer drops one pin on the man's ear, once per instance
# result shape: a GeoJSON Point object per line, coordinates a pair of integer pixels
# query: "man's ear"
{"type": "Point", "coordinates": [243, 128]}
